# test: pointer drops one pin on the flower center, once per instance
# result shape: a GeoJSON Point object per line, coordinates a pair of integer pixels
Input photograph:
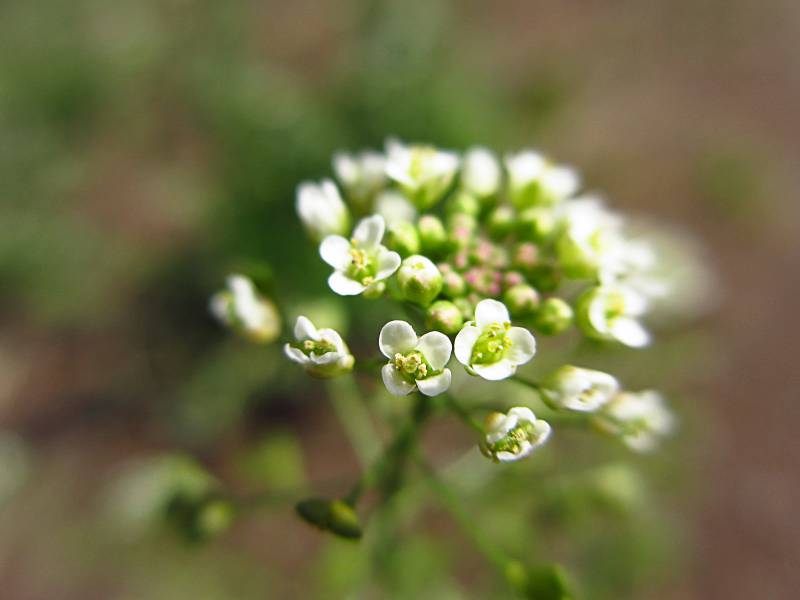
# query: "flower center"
{"type": "Point", "coordinates": [412, 366]}
{"type": "Point", "coordinates": [514, 439]}
{"type": "Point", "coordinates": [420, 158]}
{"type": "Point", "coordinates": [362, 265]}
{"type": "Point", "coordinates": [317, 348]}
{"type": "Point", "coordinates": [492, 344]}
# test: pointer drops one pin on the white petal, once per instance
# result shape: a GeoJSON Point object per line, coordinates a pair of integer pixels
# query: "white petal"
{"type": "Point", "coordinates": [496, 371]}
{"type": "Point", "coordinates": [397, 337]}
{"type": "Point", "coordinates": [465, 341]}
{"type": "Point", "coordinates": [295, 355]}
{"type": "Point", "coordinates": [630, 332]}
{"type": "Point", "coordinates": [335, 250]}
{"type": "Point", "coordinates": [325, 359]}
{"type": "Point", "coordinates": [369, 231]}
{"type": "Point", "coordinates": [388, 263]}
{"type": "Point", "coordinates": [343, 285]}
{"type": "Point", "coordinates": [523, 345]}
{"type": "Point", "coordinates": [436, 348]}
{"type": "Point", "coordinates": [489, 312]}
{"type": "Point", "coordinates": [332, 336]}
{"type": "Point", "coordinates": [523, 413]}
{"type": "Point", "coordinates": [304, 330]}
{"type": "Point", "coordinates": [438, 384]}
{"type": "Point", "coordinates": [394, 382]}
{"type": "Point", "coordinates": [562, 182]}
{"type": "Point", "coordinates": [543, 431]}
{"type": "Point", "coordinates": [510, 457]}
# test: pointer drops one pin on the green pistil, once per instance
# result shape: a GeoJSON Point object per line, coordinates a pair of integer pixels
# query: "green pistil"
{"type": "Point", "coordinates": [317, 348]}
{"type": "Point", "coordinates": [492, 344]}
{"type": "Point", "coordinates": [412, 366]}
{"type": "Point", "coordinates": [362, 266]}
{"type": "Point", "coordinates": [419, 156]}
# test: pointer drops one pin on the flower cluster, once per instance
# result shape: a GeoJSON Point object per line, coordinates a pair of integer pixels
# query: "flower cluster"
{"type": "Point", "coordinates": [494, 252]}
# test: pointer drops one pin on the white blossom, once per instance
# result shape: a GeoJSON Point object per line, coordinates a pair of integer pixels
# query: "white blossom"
{"type": "Point", "coordinates": [612, 312]}
{"type": "Point", "coordinates": [322, 352]}
{"type": "Point", "coordinates": [243, 309]}
{"type": "Point", "coordinates": [362, 175]}
{"type": "Point", "coordinates": [321, 209]}
{"type": "Point", "coordinates": [423, 172]}
{"type": "Point", "coordinates": [481, 174]}
{"type": "Point", "coordinates": [513, 436]}
{"type": "Point", "coordinates": [640, 419]}
{"type": "Point", "coordinates": [590, 238]}
{"type": "Point", "coordinates": [489, 346]}
{"type": "Point", "coordinates": [583, 390]}
{"type": "Point", "coordinates": [395, 208]}
{"type": "Point", "coordinates": [532, 179]}
{"type": "Point", "coordinates": [362, 262]}
{"type": "Point", "coordinates": [414, 363]}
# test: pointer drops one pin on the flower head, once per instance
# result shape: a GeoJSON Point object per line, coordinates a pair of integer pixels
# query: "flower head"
{"type": "Point", "coordinates": [423, 172]}
{"type": "Point", "coordinates": [611, 312]}
{"type": "Point", "coordinates": [640, 419]}
{"type": "Point", "coordinates": [321, 209]}
{"type": "Point", "coordinates": [321, 352]}
{"type": "Point", "coordinates": [242, 308]}
{"type": "Point", "coordinates": [414, 363]}
{"type": "Point", "coordinates": [489, 346]}
{"type": "Point", "coordinates": [534, 180]}
{"type": "Point", "coordinates": [513, 436]}
{"type": "Point", "coordinates": [360, 263]}
{"type": "Point", "coordinates": [579, 389]}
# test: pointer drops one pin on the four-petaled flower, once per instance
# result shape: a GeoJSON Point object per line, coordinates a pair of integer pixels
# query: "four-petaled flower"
{"type": "Point", "coordinates": [611, 312]}
{"type": "Point", "coordinates": [423, 172]}
{"type": "Point", "coordinates": [489, 346]}
{"type": "Point", "coordinates": [361, 263]}
{"type": "Point", "coordinates": [322, 210]}
{"type": "Point", "coordinates": [533, 180]}
{"type": "Point", "coordinates": [583, 390]}
{"type": "Point", "coordinates": [514, 435]}
{"type": "Point", "coordinates": [639, 419]}
{"type": "Point", "coordinates": [414, 363]}
{"type": "Point", "coordinates": [242, 308]}
{"type": "Point", "coordinates": [322, 352]}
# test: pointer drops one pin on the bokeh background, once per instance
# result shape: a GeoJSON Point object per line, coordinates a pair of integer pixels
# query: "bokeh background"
{"type": "Point", "coordinates": [147, 148]}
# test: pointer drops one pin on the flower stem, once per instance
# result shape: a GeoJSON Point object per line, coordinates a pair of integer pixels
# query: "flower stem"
{"type": "Point", "coordinates": [539, 389]}
{"type": "Point", "coordinates": [463, 414]}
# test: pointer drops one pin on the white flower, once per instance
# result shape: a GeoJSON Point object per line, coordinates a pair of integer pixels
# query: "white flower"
{"type": "Point", "coordinates": [534, 180]}
{"type": "Point", "coordinates": [481, 173]}
{"type": "Point", "coordinates": [639, 419]}
{"type": "Point", "coordinates": [579, 389]}
{"type": "Point", "coordinates": [590, 240]}
{"type": "Point", "coordinates": [361, 175]}
{"type": "Point", "coordinates": [361, 262]}
{"type": "Point", "coordinates": [242, 308]}
{"type": "Point", "coordinates": [321, 209]}
{"type": "Point", "coordinates": [423, 172]}
{"type": "Point", "coordinates": [395, 208]}
{"type": "Point", "coordinates": [513, 436]}
{"type": "Point", "coordinates": [414, 363]}
{"type": "Point", "coordinates": [489, 346]}
{"type": "Point", "coordinates": [322, 352]}
{"type": "Point", "coordinates": [611, 313]}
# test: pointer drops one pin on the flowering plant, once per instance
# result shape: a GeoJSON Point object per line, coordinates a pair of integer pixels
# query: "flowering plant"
{"type": "Point", "coordinates": [488, 258]}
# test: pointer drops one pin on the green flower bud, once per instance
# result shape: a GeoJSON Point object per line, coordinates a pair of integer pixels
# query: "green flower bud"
{"type": "Point", "coordinates": [445, 316]}
{"type": "Point", "coordinates": [419, 280]}
{"type": "Point", "coordinates": [501, 221]}
{"type": "Point", "coordinates": [403, 238]}
{"type": "Point", "coordinates": [553, 317]}
{"type": "Point", "coordinates": [522, 300]}
{"type": "Point", "coordinates": [336, 516]}
{"type": "Point", "coordinates": [432, 235]}
{"type": "Point", "coordinates": [453, 285]}
{"type": "Point", "coordinates": [545, 277]}
{"type": "Point", "coordinates": [525, 257]}
{"type": "Point", "coordinates": [537, 224]}
{"type": "Point", "coordinates": [466, 306]}
{"type": "Point", "coordinates": [374, 291]}
{"type": "Point", "coordinates": [461, 229]}
{"type": "Point", "coordinates": [214, 517]}
{"type": "Point", "coordinates": [465, 203]}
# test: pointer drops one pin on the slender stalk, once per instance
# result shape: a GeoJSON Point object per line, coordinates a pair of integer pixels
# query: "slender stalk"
{"type": "Point", "coordinates": [354, 418]}
{"type": "Point", "coordinates": [539, 389]}
{"type": "Point", "coordinates": [463, 414]}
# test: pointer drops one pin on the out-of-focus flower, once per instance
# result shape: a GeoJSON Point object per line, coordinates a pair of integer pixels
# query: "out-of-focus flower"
{"type": "Point", "coordinates": [419, 280]}
{"type": "Point", "coordinates": [362, 175]}
{"type": "Point", "coordinates": [362, 262]}
{"type": "Point", "coordinates": [639, 419]}
{"type": "Point", "coordinates": [513, 436]}
{"type": "Point", "coordinates": [583, 390]}
{"type": "Point", "coordinates": [589, 238]}
{"type": "Point", "coordinates": [322, 210]}
{"type": "Point", "coordinates": [423, 172]}
{"type": "Point", "coordinates": [481, 174]}
{"type": "Point", "coordinates": [322, 352]}
{"type": "Point", "coordinates": [414, 363]}
{"type": "Point", "coordinates": [243, 309]}
{"type": "Point", "coordinates": [395, 208]}
{"type": "Point", "coordinates": [534, 180]}
{"type": "Point", "coordinates": [611, 313]}
{"type": "Point", "coordinates": [489, 346]}
{"type": "Point", "coordinates": [553, 317]}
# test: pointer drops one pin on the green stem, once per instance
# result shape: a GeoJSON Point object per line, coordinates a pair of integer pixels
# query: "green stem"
{"type": "Point", "coordinates": [463, 414]}
{"type": "Point", "coordinates": [539, 389]}
{"type": "Point", "coordinates": [354, 418]}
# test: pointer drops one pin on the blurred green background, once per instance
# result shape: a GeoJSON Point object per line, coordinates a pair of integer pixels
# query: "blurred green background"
{"type": "Point", "coordinates": [149, 148]}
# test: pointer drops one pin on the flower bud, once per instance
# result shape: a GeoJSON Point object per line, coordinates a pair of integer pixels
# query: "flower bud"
{"type": "Point", "coordinates": [553, 317]}
{"type": "Point", "coordinates": [465, 203]}
{"type": "Point", "coordinates": [461, 228]}
{"type": "Point", "coordinates": [444, 316]}
{"type": "Point", "coordinates": [403, 238]}
{"type": "Point", "coordinates": [432, 235]}
{"type": "Point", "coordinates": [522, 300]}
{"type": "Point", "coordinates": [536, 224]}
{"type": "Point", "coordinates": [244, 310]}
{"type": "Point", "coordinates": [336, 516]}
{"type": "Point", "coordinates": [512, 278]}
{"type": "Point", "coordinates": [525, 256]}
{"type": "Point", "coordinates": [419, 280]}
{"type": "Point", "coordinates": [466, 306]}
{"type": "Point", "coordinates": [453, 284]}
{"type": "Point", "coordinates": [484, 281]}
{"type": "Point", "coordinates": [501, 221]}
{"type": "Point", "coordinates": [545, 277]}
{"type": "Point", "coordinates": [583, 390]}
